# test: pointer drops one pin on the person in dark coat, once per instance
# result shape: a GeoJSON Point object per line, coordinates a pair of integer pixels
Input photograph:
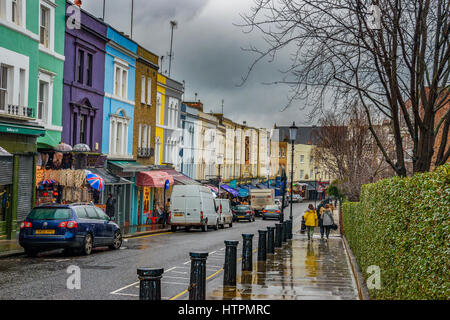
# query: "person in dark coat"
{"type": "Point", "coordinates": [319, 216]}
{"type": "Point", "coordinates": [110, 205]}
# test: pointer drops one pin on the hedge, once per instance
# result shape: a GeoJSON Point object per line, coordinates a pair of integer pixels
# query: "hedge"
{"type": "Point", "coordinates": [402, 226]}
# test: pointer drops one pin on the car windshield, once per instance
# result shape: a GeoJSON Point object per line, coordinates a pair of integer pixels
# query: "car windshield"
{"type": "Point", "coordinates": [242, 207]}
{"type": "Point", "coordinates": [271, 208]}
{"type": "Point", "coordinates": [50, 214]}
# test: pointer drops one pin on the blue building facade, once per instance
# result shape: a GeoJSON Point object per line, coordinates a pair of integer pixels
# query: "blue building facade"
{"type": "Point", "coordinates": [118, 115]}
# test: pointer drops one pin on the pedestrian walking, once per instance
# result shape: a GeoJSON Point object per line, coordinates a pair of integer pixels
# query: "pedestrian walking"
{"type": "Point", "coordinates": [110, 205]}
{"type": "Point", "coordinates": [310, 221]}
{"type": "Point", "coordinates": [320, 208]}
{"type": "Point", "coordinates": [327, 218]}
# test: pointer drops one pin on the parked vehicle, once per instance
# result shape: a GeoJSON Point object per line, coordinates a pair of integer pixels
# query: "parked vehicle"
{"type": "Point", "coordinates": [193, 206]}
{"type": "Point", "coordinates": [259, 198]}
{"type": "Point", "coordinates": [243, 212]}
{"type": "Point", "coordinates": [76, 228]}
{"type": "Point", "coordinates": [295, 198]}
{"type": "Point", "coordinates": [280, 199]}
{"type": "Point", "coordinates": [271, 212]}
{"type": "Point", "coordinates": [225, 213]}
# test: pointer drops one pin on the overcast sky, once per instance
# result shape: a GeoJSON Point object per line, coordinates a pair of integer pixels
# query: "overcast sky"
{"type": "Point", "coordinates": [208, 55]}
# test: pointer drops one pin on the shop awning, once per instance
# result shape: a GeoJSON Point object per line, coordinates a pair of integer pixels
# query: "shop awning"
{"type": "Point", "coordinates": [30, 130]}
{"type": "Point", "coordinates": [180, 178]}
{"type": "Point", "coordinates": [154, 179]}
{"type": "Point", "coordinates": [108, 177]}
{"type": "Point", "coordinates": [129, 166]}
{"type": "Point", "coordinates": [243, 192]}
{"type": "Point", "coordinates": [213, 189]}
{"type": "Point", "coordinates": [230, 190]}
{"type": "Point", "coordinates": [4, 153]}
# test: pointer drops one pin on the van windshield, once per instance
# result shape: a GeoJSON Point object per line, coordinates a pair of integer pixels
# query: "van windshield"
{"type": "Point", "coordinates": [50, 214]}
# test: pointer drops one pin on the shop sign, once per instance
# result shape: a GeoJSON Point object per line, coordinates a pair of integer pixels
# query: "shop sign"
{"type": "Point", "coordinates": [21, 130]}
{"type": "Point", "coordinates": [95, 161]}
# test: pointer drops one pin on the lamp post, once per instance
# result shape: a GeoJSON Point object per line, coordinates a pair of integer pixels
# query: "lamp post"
{"type": "Point", "coordinates": [293, 136]}
{"type": "Point", "coordinates": [315, 186]}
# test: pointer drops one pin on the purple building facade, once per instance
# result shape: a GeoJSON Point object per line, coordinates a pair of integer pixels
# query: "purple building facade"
{"type": "Point", "coordinates": [83, 93]}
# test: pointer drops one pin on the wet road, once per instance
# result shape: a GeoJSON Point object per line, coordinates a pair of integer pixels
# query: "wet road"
{"type": "Point", "coordinates": [109, 274]}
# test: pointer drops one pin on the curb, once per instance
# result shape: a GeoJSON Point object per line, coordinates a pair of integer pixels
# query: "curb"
{"type": "Point", "coordinates": [12, 253]}
{"type": "Point", "coordinates": [145, 233]}
{"type": "Point", "coordinates": [363, 292]}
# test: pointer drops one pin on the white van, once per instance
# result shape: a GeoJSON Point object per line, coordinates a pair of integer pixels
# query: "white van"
{"type": "Point", "coordinates": [260, 198]}
{"type": "Point", "coordinates": [193, 206]}
{"type": "Point", "coordinates": [225, 213]}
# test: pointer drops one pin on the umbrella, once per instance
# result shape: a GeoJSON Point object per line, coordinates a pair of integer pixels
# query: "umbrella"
{"type": "Point", "coordinates": [63, 147]}
{"type": "Point", "coordinates": [48, 181]}
{"type": "Point", "coordinates": [96, 182]}
{"type": "Point", "coordinates": [81, 147]}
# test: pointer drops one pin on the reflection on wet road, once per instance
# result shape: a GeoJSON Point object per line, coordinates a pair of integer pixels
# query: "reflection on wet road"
{"type": "Point", "coordinates": [299, 271]}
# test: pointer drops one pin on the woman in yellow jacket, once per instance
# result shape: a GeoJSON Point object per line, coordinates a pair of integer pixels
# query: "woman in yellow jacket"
{"type": "Point", "coordinates": [310, 221]}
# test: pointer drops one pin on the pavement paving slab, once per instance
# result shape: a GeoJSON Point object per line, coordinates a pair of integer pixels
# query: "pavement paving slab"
{"type": "Point", "coordinates": [300, 270]}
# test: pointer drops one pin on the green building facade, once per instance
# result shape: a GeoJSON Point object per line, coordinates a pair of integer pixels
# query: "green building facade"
{"type": "Point", "coordinates": [31, 82]}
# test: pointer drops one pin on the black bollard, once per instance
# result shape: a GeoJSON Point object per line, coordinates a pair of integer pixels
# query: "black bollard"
{"type": "Point", "coordinates": [150, 283]}
{"type": "Point", "coordinates": [278, 234]}
{"type": "Point", "coordinates": [197, 287]}
{"type": "Point", "coordinates": [230, 267]}
{"type": "Point", "coordinates": [247, 252]}
{"type": "Point", "coordinates": [262, 248]}
{"type": "Point", "coordinates": [283, 232]}
{"type": "Point", "coordinates": [270, 240]}
{"type": "Point", "coordinates": [289, 229]}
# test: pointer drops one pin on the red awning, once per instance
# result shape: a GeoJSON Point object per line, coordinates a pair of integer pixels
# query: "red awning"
{"type": "Point", "coordinates": [180, 178]}
{"type": "Point", "coordinates": [155, 179]}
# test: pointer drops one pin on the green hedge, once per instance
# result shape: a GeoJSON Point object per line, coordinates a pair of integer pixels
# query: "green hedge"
{"type": "Point", "coordinates": [402, 226]}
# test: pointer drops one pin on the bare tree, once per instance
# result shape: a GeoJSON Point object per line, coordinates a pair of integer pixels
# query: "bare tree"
{"type": "Point", "coordinates": [346, 147]}
{"type": "Point", "coordinates": [400, 70]}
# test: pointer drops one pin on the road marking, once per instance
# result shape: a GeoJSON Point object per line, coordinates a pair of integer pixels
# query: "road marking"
{"type": "Point", "coordinates": [168, 270]}
{"type": "Point", "coordinates": [187, 262]}
{"type": "Point", "coordinates": [176, 277]}
{"type": "Point", "coordinates": [177, 283]}
{"type": "Point", "coordinates": [212, 252]}
{"type": "Point", "coordinates": [179, 272]}
{"type": "Point", "coordinates": [152, 235]}
{"type": "Point", "coordinates": [133, 284]}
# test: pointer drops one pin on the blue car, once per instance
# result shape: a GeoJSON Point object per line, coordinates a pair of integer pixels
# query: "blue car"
{"type": "Point", "coordinates": [76, 227]}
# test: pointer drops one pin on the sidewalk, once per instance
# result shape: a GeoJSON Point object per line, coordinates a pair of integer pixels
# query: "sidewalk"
{"type": "Point", "coordinates": [10, 248]}
{"type": "Point", "coordinates": [300, 270]}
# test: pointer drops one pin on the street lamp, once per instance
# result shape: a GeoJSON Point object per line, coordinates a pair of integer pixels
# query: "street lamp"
{"type": "Point", "coordinates": [293, 136]}
{"type": "Point", "coordinates": [315, 186]}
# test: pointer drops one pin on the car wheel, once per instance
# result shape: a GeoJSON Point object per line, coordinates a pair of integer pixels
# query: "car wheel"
{"type": "Point", "coordinates": [204, 227]}
{"type": "Point", "coordinates": [86, 249]}
{"type": "Point", "coordinates": [173, 228]}
{"type": "Point", "coordinates": [32, 253]}
{"type": "Point", "coordinates": [117, 242]}
{"type": "Point", "coordinates": [187, 228]}
{"type": "Point", "coordinates": [222, 226]}
{"type": "Point", "coordinates": [264, 218]}
{"type": "Point", "coordinates": [216, 226]}
{"type": "Point", "coordinates": [231, 224]}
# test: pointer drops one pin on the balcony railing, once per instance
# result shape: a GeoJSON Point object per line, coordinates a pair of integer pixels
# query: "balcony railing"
{"type": "Point", "coordinates": [15, 111]}
{"type": "Point", "coordinates": [145, 152]}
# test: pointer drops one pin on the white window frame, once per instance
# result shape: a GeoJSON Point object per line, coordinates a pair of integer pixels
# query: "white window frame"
{"type": "Point", "coordinates": [48, 78]}
{"type": "Point", "coordinates": [157, 151]}
{"type": "Point", "coordinates": [118, 146]}
{"type": "Point", "coordinates": [143, 89]}
{"type": "Point", "coordinates": [6, 12]}
{"type": "Point", "coordinates": [17, 77]}
{"type": "Point", "coordinates": [119, 87]}
{"type": "Point", "coordinates": [50, 6]}
{"type": "Point", "coordinates": [149, 91]}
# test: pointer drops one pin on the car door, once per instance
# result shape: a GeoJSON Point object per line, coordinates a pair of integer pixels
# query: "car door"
{"type": "Point", "coordinates": [98, 225]}
{"type": "Point", "coordinates": [108, 231]}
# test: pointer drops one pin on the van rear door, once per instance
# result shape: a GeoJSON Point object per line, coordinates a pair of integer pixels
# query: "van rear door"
{"type": "Point", "coordinates": [178, 210]}
{"type": "Point", "coordinates": [193, 209]}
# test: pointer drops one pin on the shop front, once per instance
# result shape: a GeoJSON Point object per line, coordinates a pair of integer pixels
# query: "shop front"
{"type": "Point", "coordinates": [17, 165]}
{"type": "Point", "coordinates": [152, 192]}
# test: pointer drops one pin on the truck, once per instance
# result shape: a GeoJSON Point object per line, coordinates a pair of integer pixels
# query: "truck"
{"type": "Point", "coordinates": [260, 198]}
